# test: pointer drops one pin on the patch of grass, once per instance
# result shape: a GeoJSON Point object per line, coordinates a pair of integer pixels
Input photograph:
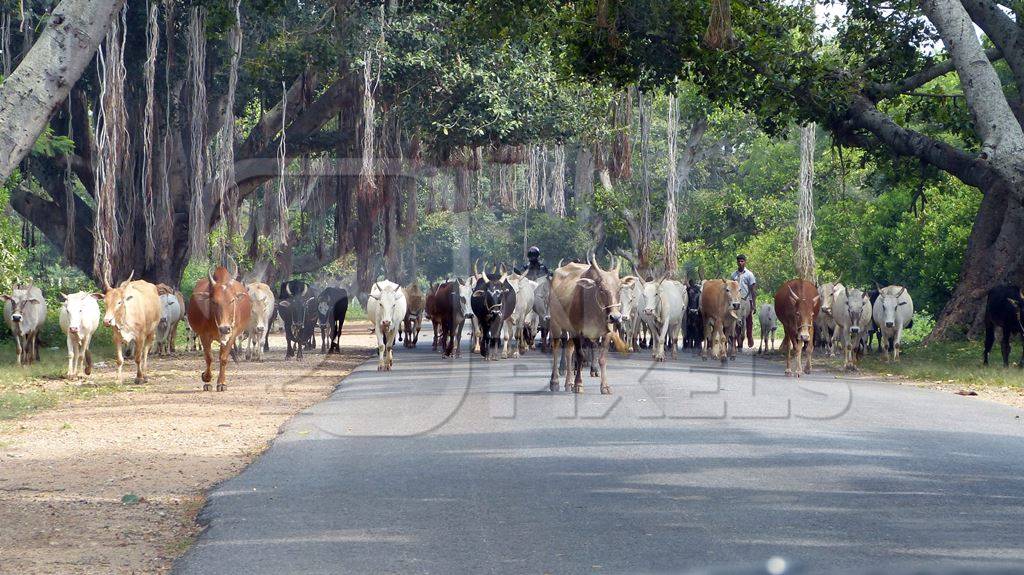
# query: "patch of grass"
{"type": "Point", "coordinates": [14, 403]}
{"type": "Point", "coordinates": [355, 311]}
{"type": "Point", "coordinates": [955, 362]}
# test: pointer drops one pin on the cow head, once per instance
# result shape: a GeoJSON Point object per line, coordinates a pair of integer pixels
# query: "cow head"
{"type": "Point", "coordinates": [855, 303]}
{"type": "Point", "coordinates": [386, 300]}
{"type": "Point", "coordinates": [733, 296]}
{"type": "Point", "coordinates": [890, 302]}
{"type": "Point", "coordinates": [75, 307]}
{"type": "Point", "coordinates": [803, 311]}
{"type": "Point", "coordinates": [20, 298]}
{"type": "Point", "coordinates": [224, 295]}
{"type": "Point", "coordinates": [166, 303]}
{"type": "Point", "coordinates": [693, 300]}
{"type": "Point", "coordinates": [296, 307]}
{"type": "Point", "coordinates": [605, 285]}
{"type": "Point", "coordinates": [115, 302]}
{"type": "Point", "coordinates": [629, 297]}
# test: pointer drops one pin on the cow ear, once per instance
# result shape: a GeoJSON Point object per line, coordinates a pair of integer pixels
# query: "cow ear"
{"type": "Point", "coordinates": [586, 283]}
{"type": "Point", "coordinates": [6, 297]}
{"type": "Point", "coordinates": [285, 304]}
{"type": "Point", "coordinates": [63, 296]}
{"type": "Point", "coordinates": [97, 295]}
{"type": "Point", "coordinates": [816, 299]}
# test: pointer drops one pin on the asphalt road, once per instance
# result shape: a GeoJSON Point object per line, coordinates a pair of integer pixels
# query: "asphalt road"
{"type": "Point", "coordinates": [463, 466]}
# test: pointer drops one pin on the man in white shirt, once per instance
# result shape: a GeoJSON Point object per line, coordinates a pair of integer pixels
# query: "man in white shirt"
{"type": "Point", "coordinates": [748, 288]}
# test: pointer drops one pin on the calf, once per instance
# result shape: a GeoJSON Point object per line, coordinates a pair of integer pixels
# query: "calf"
{"type": "Point", "coordinates": [413, 320]}
{"type": "Point", "coordinates": [172, 310]}
{"type": "Point", "coordinates": [220, 310]}
{"type": "Point", "coordinates": [693, 330]}
{"type": "Point", "coordinates": [893, 312]}
{"type": "Point", "coordinates": [769, 323]}
{"type": "Point", "coordinates": [385, 309]}
{"type": "Point", "coordinates": [133, 311]}
{"type": "Point", "coordinates": [852, 313]}
{"type": "Point", "coordinates": [664, 302]}
{"type": "Point", "coordinates": [262, 298]}
{"type": "Point", "coordinates": [331, 309]}
{"type": "Point", "coordinates": [79, 318]}
{"type": "Point", "coordinates": [797, 304]}
{"type": "Point", "coordinates": [1004, 309]}
{"type": "Point", "coordinates": [297, 308]}
{"type": "Point", "coordinates": [25, 314]}
{"type": "Point", "coordinates": [514, 326]}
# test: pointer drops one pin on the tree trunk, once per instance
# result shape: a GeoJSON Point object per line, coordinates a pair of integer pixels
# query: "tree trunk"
{"type": "Point", "coordinates": [671, 217]}
{"type": "Point", "coordinates": [43, 79]}
{"type": "Point", "coordinates": [803, 249]}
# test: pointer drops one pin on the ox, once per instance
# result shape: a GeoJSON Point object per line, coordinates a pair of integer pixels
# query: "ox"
{"type": "Point", "coordinates": [664, 302]}
{"type": "Point", "coordinates": [172, 311]}
{"type": "Point", "coordinates": [413, 321]}
{"type": "Point", "coordinates": [25, 314]}
{"type": "Point", "coordinates": [851, 310]}
{"type": "Point", "coordinates": [693, 328]}
{"type": "Point", "coordinates": [449, 308]}
{"type": "Point", "coordinates": [720, 303]}
{"type": "Point", "coordinates": [133, 311]}
{"type": "Point", "coordinates": [493, 302]}
{"type": "Point", "coordinates": [79, 318]}
{"type": "Point", "coordinates": [262, 298]}
{"type": "Point", "coordinates": [797, 304]}
{"type": "Point", "coordinates": [873, 331]}
{"type": "Point", "coordinates": [431, 312]}
{"type": "Point", "coordinates": [631, 302]}
{"type": "Point", "coordinates": [893, 312]}
{"type": "Point", "coordinates": [331, 309]}
{"type": "Point", "coordinates": [584, 300]}
{"type": "Point", "coordinates": [220, 310]}
{"type": "Point", "coordinates": [465, 299]}
{"type": "Point", "coordinates": [825, 326]}
{"type": "Point", "coordinates": [385, 309]}
{"type": "Point", "coordinates": [769, 323]}
{"type": "Point", "coordinates": [515, 326]}
{"type": "Point", "coordinates": [297, 308]}
{"type": "Point", "coordinates": [1003, 309]}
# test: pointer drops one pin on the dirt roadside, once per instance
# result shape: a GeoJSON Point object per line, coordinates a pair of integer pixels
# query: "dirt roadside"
{"type": "Point", "coordinates": [112, 484]}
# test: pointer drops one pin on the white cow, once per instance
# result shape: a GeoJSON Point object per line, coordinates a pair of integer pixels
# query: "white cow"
{"type": "Point", "coordinates": [514, 324]}
{"type": "Point", "coordinates": [893, 312]}
{"type": "Point", "coordinates": [541, 317]}
{"type": "Point", "coordinates": [386, 309]}
{"type": "Point", "coordinates": [79, 318]}
{"type": "Point", "coordinates": [25, 313]}
{"type": "Point", "coordinates": [769, 323]}
{"type": "Point", "coordinates": [851, 309]}
{"type": "Point", "coordinates": [171, 312]}
{"type": "Point", "coordinates": [465, 295]}
{"type": "Point", "coordinates": [825, 325]}
{"type": "Point", "coordinates": [664, 302]}
{"type": "Point", "coordinates": [631, 299]}
{"type": "Point", "coordinates": [262, 297]}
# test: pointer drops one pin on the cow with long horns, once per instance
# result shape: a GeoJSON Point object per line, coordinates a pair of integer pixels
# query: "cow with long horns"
{"type": "Point", "coordinates": [493, 302]}
{"type": "Point", "coordinates": [584, 302]}
{"type": "Point", "coordinates": [219, 310]}
{"type": "Point", "coordinates": [298, 310]}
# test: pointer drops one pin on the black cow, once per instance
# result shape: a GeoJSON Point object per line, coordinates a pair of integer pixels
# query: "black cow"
{"type": "Point", "coordinates": [493, 302]}
{"type": "Point", "coordinates": [693, 326]}
{"type": "Point", "coordinates": [449, 317]}
{"type": "Point", "coordinates": [297, 308]}
{"type": "Point", "coordinates": [1003, 309]}
{"type": "Point", "coordinates": [331, 307]}
{"type": "Point", "coordinates": [873, 331]}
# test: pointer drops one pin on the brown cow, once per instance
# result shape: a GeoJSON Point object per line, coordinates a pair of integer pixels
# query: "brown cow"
{"type": "Point", "coordinates": [720, 302]}
{"type": "Point", "coordinates": [133, 313]}
{"type": "Point", "coordinates": [430, 310]}
{"type": "Point", "coordinates": [410, 331]}
{"type": "Point", "coordinates": [584, 301]}
{"type": "Point", "coordinates": [797, 304]}
{"type": "Point", "coordinates": [220, 310]}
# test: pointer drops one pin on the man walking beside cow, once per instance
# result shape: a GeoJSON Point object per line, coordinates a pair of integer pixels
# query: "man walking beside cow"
{"type": "Point", "coordinates": [748, 291]}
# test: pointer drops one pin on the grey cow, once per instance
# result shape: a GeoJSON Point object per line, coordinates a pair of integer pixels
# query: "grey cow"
{"type": "Point", "coordinates": [25, 314]}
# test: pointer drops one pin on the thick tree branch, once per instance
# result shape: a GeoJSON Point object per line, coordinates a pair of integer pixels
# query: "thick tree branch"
{"type": "Point", "coordinates": [1004, 33]}
{"type": "Point", "coordinates": [910, 83]}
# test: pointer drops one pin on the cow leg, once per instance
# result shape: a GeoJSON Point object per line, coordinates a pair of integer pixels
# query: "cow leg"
{"type": "Point", "coordinates": [207, 375]}
{"type": "Point", "coordinates": [506, 335]}
{"type": "Point", "coordinates": [119, 344]}
{"type": "Point", "coordinates": [223, 357]}
{"type": "Point", "coordinates": [580, 350]}
{"type": "Point", "coordinates": [139, 355]}
{"type": "Point", "coordinates": [553, 382]}
{"type": "Point", "coordinates": [72, 356]}
{"type": "Point", "coordinates": [380, 349]}
{"type": "Point", "coordinates": [87, 355]}
{"type": "Point", "coordinates": [602, 362]}
{"type": "Point", "coordinates": [1005, 345]}
{"type": "Point", "coordinates": [570, 361]}
{"type": "Point", "coordinates": [990, 338]}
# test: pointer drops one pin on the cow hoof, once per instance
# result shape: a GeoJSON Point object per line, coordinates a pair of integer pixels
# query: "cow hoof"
{"type": "Point", "coordinates": [553, 386]}
{"type": "Point", "coordinates": [221, 387]}
{"type": "Point", "coordinates": [606, 390]}
{"type": "Point", "coordinates": [659, 359]}
{"type": "Point", "coordinates": [207, 387]}
{"type": "Point", "coordinates": [578, 388]}
{"type": "Point", "coordinates": [380, 368]}
{"type": "Point", "coordinates": [703, 358]}
{"type": "Point", "coordinates": [515, 355]}
{"type": "Point", "coordinates": [206, 377]}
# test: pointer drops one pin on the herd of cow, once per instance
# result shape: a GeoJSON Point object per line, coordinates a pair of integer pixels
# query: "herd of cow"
{"type": "Point", "coordinates": [575, 312]}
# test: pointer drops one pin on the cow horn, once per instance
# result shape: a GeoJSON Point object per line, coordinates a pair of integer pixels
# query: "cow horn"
{"type": "Point", "coordinates": [902, 291]}
{"type": "Point", "coordinates": [593, 262]}
{"type": "Point", "coordinates": [288, 289]}
{"type": "Point", "coordinates": [475, 262]}
{"type": "Point", "coordinates": [125, 282]}
{"type": "Point", "coordinates": [618, 265]}
{"type": "Point", "coordinates": [878, 287]}
{"type": "Point", "coordinates": [484, 275]}
{"type": "Point", "coordinates": [305, 288]}
{"type": "Point", "coordinates": [209, 274]}
{"type": "Point", "coordinates": [791, 291]}
{"type": "Point", "coordinates": [560, 262]}
{"type": "Point", "coordinates": [502, 270]}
